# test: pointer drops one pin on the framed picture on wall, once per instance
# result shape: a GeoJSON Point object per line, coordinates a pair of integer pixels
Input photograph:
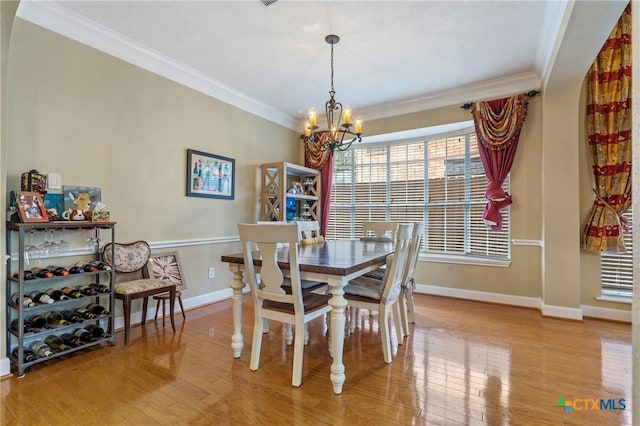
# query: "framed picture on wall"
{"type": "Point", "coordinates": [210, 176]}
{"type": "Point", "coordinates": [30, 207]}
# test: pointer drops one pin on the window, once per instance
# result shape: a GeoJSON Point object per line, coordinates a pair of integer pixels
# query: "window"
{"type": "Point", "coordinates": [439, 181]}
{"type": "Point", "coordinates": [616, 270]}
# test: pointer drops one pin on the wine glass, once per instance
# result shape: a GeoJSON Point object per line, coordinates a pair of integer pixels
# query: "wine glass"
{"type": "Point", "coordinates": [31, 251]}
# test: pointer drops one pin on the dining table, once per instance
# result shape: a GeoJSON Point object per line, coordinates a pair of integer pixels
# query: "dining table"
{"type": "Point", "coordinates": [334, 262]}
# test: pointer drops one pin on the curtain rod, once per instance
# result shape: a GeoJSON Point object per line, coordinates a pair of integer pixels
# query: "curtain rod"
{"type": "Point", "coordinates": [530, 93]}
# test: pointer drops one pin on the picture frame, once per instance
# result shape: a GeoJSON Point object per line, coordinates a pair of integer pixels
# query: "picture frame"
{"type": "Point", "coordinates": [30, 207]}
{"type": "Point", "coordinates": [210, 175]}
{"type": "Point", "coordinates": [81, 197]}
{"type": "Point", "coordinates": [166, 266]}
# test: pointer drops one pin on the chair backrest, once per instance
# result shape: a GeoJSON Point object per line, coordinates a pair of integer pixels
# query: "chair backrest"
{"type": "Point", "coordinates": [308, 229]}
{"type": "Point", "coordinates": [392, 281]}
{"type": "Point", "coordinates": [379, 231]}
{"type": "Point", "coordinates": [414, 251]}
{"type": "Point", "coordinates": [268, 239]}
{"type": "Point", "coordinates": [129, 257]}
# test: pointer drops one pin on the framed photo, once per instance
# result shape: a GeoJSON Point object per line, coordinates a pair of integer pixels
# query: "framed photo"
{"type": "Point", "coordinates": [210, 176]}
{"type": "Point", "coordinates": [166, 266]}
{"type": "Point", "coordinates": [30, 207]}
{"type": "Point", "coordinates": [81, 197]}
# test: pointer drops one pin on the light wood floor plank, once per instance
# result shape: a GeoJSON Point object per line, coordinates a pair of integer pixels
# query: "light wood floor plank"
{"type": "Point", "coordinates": [465, 363]}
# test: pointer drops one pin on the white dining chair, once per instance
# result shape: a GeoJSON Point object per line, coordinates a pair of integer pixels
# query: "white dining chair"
{"type": "Point", "coordinates": [270, 300]}
{"type": "Point", "coordinates": [383, 231]}
{"type": "Point", "coordinates": [308, 229]}
{"type": "Point", "coordinates": [407, 312]}
{"type": "Point", "coordinates": [383, 295]}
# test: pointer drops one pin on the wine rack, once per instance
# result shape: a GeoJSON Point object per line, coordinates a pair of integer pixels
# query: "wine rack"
{"type": "Point", "coordinates": [290, 192]}
{"type": "Point", "coordinates": [22, 258]}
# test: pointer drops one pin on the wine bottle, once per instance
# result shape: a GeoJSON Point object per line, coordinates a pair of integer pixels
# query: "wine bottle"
{"type": "Point", "coordinates": [26, 300]}
{"type": "Point", "coordinates": [96, 331]}
{"type": "Point", "coordinates": [59, 271]}
{"type": "Point", "coordinates": [97, 309]}
{"type": "Point", "coordinates": [26, 275]}
{"type": "Point", "coordinates": [70, 340]}
{"type": "Point", "coordinates": [86, 314]}
{"type": "Point", "coordinates": [38, 322]}
{"type": "Point", "coordinates": [71, 316]}
{"type": "Point", "coordinates": [56, 343]}
{"type": "Point", "coordinates": [101, 266]}
{"type": "Point", "coordinates": [56, 294]}
{"type": "Point", "coordinates": [42, 272]}
{"type": "Point", "coordinates": [28, 354]}
{"type": "Point", "coordinates": [41, 349]}
{"type": "Point", "coordinates": [100, 288]}
{"type": "Point", "coordinates": [26, 326]}
{"type": "Point", "coordinates": [86, 267]}
{"type": "Point", "coordinates": [71, 292]}
{"type": "Point", "coordinates": [39, 297]}
{"type": "Point", "coordinates": [86, 290]}
{"type": "Point", "coordinates": [82, 334]}
{"type": "Point", "coordinates": [54, 319]}
{"type": "Point", "coordinates": [76, 270]}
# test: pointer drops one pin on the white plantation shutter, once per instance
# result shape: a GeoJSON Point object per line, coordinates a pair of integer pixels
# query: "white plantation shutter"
{"type": "Point", "coordinates": [440, 181]}
{"type": "Point", "coordinates": [616, 270]}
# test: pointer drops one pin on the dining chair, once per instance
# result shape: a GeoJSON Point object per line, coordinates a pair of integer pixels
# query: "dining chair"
{"type": "Point", "coordinates": [308, 229]}
{"type": "Point", "coordinates": [407, 312]}
{"type": "Point", "coordinates": [383, 231]}
{"type": "Point", "coordinates": [383, 295]}
{"type": "Point", "coordinates": [270, 300]}
{"type": "Point", "coordinates": [130, 259]}
{"type": "Point", "coordinates": [166, 266]}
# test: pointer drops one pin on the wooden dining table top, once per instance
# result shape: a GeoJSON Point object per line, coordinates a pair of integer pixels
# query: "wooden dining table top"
{"type": "Point", "coordinates": [334, 257]}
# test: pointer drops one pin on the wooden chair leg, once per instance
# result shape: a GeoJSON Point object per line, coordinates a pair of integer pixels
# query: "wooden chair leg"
{"type": "Point", "coordinates": [172, 302]}
{"type": "Point", "coordinates": [145, 302]}
{"type": "Point", "coordinates": [164, 305]}
{"type": "Point", "coordinates": [181, 307]}
{"type": "Point", "coordinates": [126, 307]}
{"type": "Point", "coordinates": [155, 318]}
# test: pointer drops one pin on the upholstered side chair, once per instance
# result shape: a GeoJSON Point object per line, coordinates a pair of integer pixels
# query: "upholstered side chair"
{"type": "Point", "coordinates": [130, 259]}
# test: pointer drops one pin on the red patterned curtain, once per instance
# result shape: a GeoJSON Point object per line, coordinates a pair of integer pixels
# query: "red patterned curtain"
{"type": "Point", "coordinates": [498, 124]}
{"type": "Point", "coordinates": [609, 137]}
{"type": "Point", "coordinates": [321, 160]}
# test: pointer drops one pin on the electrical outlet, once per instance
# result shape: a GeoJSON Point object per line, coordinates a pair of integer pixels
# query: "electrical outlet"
{"type": "Point", "coordinates": [212, 272]}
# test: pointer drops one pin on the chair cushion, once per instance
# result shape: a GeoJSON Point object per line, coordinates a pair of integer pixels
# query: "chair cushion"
{"type": "Point", "coordinates": [377, 274]}
{"type": "Point", "coordinates": [313, 240]}
{"type": "Point", "coordinates": [304, 284]}
{"type": "Point", "coordinates": [311, 302]}
{"type": "Point", "coordinates": [365, 287]}
{"type": "Point", "coordinates": [138, 286]}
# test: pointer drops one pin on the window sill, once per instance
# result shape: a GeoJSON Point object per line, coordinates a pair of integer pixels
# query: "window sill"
{"type": "Point", "coordinates": [463, 260]}
{"type": "Point", "coordinates": [616, 299]}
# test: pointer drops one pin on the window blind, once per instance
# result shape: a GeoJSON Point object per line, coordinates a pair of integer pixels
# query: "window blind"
{"type": "Point", "coordinates": [616, 270]}
{"type": "Point", "coordinates": [439, 181]}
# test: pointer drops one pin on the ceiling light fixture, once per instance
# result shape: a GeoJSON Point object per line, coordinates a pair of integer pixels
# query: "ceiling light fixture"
{"type": "Point", "coordinates": [337, 129]}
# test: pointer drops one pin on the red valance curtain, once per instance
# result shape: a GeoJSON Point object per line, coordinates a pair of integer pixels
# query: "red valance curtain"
{"type": "Point", "coordinates": [498, 124]}
{"type": "Point", "coordinates": [321, 160]}
{"type": "Point", "coordinates": [609, 138]}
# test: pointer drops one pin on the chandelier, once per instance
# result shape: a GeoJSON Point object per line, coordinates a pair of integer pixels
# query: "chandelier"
{"type": "Point", "coordinates": [339, 134]}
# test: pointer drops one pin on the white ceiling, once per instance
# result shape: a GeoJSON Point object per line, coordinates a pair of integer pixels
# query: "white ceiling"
{"type": "Point", "coordinates": [394, 56]}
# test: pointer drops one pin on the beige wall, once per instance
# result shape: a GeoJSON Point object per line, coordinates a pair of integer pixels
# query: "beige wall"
{"type": "Point", "coordinates": [102, 122]}
{"type": "Point", "coordinates": [99, 121]}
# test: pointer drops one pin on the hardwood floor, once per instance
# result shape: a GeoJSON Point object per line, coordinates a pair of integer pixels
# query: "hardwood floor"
{"type": "Point", "coordinates": [464, 363]}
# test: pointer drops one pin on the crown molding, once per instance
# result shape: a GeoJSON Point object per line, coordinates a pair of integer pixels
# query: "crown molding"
{"type": "Point", "coordinates": [69, 24]}
{"type": "Point", "coordinates": [55, 18]}
{"type": "Point", "coordinates": [488, 89]}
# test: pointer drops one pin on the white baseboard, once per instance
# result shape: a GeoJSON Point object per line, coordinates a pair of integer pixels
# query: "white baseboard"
{"type": "Point", "coordinates": [480, 296]}
{"type": "Point", "coordinates": [192, 302]}
{"type": "Point", "coordinates": [529, 302]}
{"type": "Point", "coordinates": [5, 367]}
{"type": "Point", "coordinates": [562, 312]}
{"type": "Point", "coordinates": [606, 313]}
